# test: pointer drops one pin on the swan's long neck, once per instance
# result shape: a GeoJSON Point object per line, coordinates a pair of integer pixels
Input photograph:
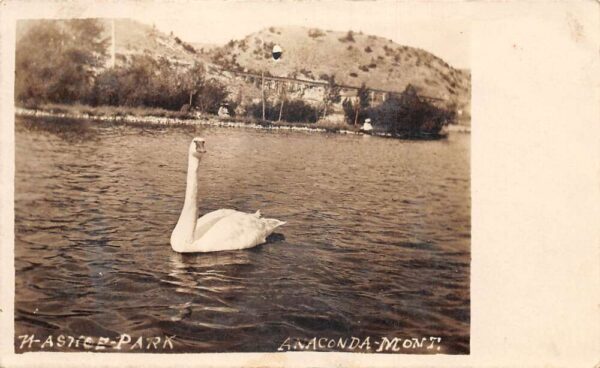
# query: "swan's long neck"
{"type": "Point", "coordinates": [189, 213]}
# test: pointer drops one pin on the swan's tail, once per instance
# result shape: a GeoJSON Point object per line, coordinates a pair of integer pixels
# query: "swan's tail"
{"type": "Point", "coordinates": [257, 214]}
{"type": "Point", "coordinates": [273, 224]}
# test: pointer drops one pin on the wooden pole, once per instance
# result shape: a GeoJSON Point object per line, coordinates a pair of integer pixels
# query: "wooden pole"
{"type": "Point", "coordinates": [262, 90]}
{"type": "Point", "coordinates": [281, 109]}
{"type": "Point", "coordinates": [356, 115]}
{"type": "Point", "coordinates": [113, 47]}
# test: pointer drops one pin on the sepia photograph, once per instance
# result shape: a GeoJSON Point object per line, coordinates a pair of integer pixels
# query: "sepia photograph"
{"type": "Point", "coordinates": [243, 177]}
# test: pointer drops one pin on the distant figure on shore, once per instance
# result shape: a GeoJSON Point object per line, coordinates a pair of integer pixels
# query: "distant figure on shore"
{"type": "Point", "coordinates": [367, 127]}
{"type": "Point", "coordinates": [223, 111]}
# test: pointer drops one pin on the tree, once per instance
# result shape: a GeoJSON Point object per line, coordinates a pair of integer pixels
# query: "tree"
{"type": "Point", "coordinates": [332, 94]}
{"type": "Point", "coordinates": [364, 100]}
{"type": "Point", "coordinates": [194, 80]}
{"type": "Point", "coordinates": [56, 61]}
{"type": "Point", "coordinates": [296, 111]}
{"type": "Point", "coordinates": [364, 96]}
{"type": "Point", "coordinates": [348, 108]}
{"type": "Point", "coordinates": [210, 96]}
{"type": "Point", "coordinates": [349, 37]}
{"type": "Point", "coordinates": [64, 61]}
{"type": "Point", "coordinates": [407, 115]}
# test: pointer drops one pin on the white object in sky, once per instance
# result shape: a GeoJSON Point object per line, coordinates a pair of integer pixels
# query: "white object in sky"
{"type": "Point", "coordinates": [222, 229]}
{"type": "Point", "coordinates": [277, 51]}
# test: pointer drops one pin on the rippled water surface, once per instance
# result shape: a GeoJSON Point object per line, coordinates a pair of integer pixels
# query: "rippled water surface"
{"type": "Point", "coordinates": [377, 240]}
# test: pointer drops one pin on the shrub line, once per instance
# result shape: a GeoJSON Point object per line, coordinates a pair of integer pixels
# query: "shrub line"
{"type": "Point", "coordinates": [188, 120]}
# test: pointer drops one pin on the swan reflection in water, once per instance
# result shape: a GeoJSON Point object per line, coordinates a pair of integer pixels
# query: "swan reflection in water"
{"type": "Point", "coordinates": [192, 272]}
{"type": "Point", "coordinates": [207, 280]}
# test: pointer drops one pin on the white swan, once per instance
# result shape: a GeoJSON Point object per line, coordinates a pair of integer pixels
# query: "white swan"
{"type": "Point", "coordinates": [218, 230]}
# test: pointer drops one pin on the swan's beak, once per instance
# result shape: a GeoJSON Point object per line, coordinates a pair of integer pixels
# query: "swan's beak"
{"type": "Point", "coordinates": [200, 146]}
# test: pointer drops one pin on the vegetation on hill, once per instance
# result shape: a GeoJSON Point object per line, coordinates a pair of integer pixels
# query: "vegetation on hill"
{"type": "Point", "coordinates": [135, 38]}
{"type": "Point", "coordinates": [353, 57]}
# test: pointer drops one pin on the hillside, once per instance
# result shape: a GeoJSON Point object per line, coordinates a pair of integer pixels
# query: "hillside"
{"type": "Point", "coordinates": [352, 57]}
{"type": "Point", "coordinates": [133, 37]}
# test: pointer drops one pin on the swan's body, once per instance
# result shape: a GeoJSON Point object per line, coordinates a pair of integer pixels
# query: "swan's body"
{"type": "Point", "coordinates": [223, 229]}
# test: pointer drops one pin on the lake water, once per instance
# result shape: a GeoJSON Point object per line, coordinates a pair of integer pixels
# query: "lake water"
{"type": "Point", "coordinates": [377, 240]}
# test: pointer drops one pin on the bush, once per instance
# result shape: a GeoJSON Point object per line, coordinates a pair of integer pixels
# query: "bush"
{"type": "Point", "coordinates": [307, 73]}
{"type": "Point", "coordinates": [189, 48]}
{"type": "Point", "coordinates": [294, 111]}
{"type": "Point", "coordinates": [56, 60]}
{"type": "Point", "coordinates": [210, 96]}
{"type": "Point", "coordinates": [315, 33]}
{"type": "Point", "coordinates": [157, 83]}
{"type": "Point", "coordinates": [409, 116]}
{"type": "Point", "coordinates": [349, 37]}
{"type": "Point", "coordinates": [331, 95]}
{"type": "Point", "coordinates": [350, 112]}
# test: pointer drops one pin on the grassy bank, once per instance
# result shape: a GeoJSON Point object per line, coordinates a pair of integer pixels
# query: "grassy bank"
{"type": "Point", "coordinates": [109, 111]}
{"type": "Point", "coordinates": [157, 116]}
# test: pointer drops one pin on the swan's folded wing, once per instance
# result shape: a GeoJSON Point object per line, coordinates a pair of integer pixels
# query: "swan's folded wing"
{"type": "Point", "coordinates": [204, 223]}
{"type": "Point", "coordinates": [235, 231]}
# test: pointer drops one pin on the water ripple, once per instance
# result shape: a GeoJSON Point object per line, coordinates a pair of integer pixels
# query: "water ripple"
{"type": "Point", "coordinates": [377, 240]}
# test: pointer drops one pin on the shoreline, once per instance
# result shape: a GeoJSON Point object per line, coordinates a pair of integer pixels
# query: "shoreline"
{"type": "Point", "coordinates": [177, 118]}
{"type": "Point", "coordinates": [192, 120]}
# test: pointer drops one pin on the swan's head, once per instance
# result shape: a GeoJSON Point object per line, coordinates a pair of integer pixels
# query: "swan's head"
{"type": "Point", "coordinates": [197, 147]}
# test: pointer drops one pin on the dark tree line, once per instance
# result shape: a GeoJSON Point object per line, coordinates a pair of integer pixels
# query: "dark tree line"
{"type": "Point", "coordinates": [401, 115]}
{"type": "Point", "coordinates": [293, 111]}
{"type": "Point", "coordinates": [66, 62]}
{"type": "Point", "coordinates": [145, 81]}
{"type": "Point", "coordinates": [56, 61]}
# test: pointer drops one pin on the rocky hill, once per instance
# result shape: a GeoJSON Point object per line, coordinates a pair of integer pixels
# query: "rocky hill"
{"type": "Point", "coordinates": [353, 58]}
{"type": "Point", "coordinates": [133, 37]}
